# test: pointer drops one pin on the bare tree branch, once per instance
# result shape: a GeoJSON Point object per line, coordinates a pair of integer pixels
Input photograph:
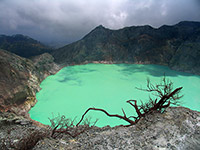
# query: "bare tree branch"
{"type": "Point", "coordinates": [110, 115]}
{"type": "Point", "coordinates": [164, 91]}
{"type": "Point", "coordinates": [165, 96]}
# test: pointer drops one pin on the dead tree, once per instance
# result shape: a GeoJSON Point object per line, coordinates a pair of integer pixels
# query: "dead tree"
{"type": "Point", "coordinates": [165, 94]}
{"type": "Point", "coordinates": [61, 124]}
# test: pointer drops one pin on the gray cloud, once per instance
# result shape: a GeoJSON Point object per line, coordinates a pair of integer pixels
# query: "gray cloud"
{"type": "Point", "coordinates": [69, 20]}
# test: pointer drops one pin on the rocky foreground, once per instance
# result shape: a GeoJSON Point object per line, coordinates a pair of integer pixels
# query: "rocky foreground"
{"type": "Point", "coordinates": [176, 129]}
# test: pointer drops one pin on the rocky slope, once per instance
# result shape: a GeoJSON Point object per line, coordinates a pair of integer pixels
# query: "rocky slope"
{"type": "Point", "coordinates": [176, 129]}
{"type": "Point", "coordinates": [22, 45]}
{"type": "Point", "coordinates": [20, 79]}
{"type": "Point", "coordinates": [175, 46]}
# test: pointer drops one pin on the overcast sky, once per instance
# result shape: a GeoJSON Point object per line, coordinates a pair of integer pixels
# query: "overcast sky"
{"type": "Point", "coordinates": [69, 20]}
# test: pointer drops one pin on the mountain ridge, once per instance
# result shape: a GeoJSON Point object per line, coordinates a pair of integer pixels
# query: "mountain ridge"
{"type": "Point", "coordinates": [135, 44]}
{"type": "Point", "coordinates": [22, 45]}
{"type": "Point", "coordinates": [176, 128]}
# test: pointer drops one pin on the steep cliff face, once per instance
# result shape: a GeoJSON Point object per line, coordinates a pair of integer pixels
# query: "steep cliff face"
{"type": "Point", "coordinates": [187, 55]}
{"type": "Point", "coordinates": [45, 65]}
{"type": "Point", "coordinates": [167, 45]}
{"type": "Point", "coordinates": [20, 79]}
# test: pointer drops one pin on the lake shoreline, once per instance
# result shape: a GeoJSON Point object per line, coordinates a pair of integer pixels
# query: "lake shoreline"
{"type": "Point", "coordinates": [156, 71]}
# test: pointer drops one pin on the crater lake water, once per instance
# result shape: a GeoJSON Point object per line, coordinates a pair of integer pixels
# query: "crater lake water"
{"type": "Point", "coordinates": [108, 86]}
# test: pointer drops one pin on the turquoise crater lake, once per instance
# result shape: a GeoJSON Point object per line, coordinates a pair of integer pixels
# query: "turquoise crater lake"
{"type": "Point", "coordinates": [76, 88]}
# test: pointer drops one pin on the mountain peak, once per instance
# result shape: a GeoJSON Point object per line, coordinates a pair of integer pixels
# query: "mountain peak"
{"type": "Point", "coordinates": [100, 26]}
{"type": "Point", "coordinates": [97, 32]}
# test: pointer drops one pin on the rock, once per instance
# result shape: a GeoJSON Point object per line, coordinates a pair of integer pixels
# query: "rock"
{"type": "Point", "coordinates": [20, 79]}
{"type": "Point", "coordinates": [187, 55]}
{"type": "Point", "coordinates": [18, 133]}
{"type": "Point", "coordinates": [175, 46]}
{"type": "Point", "coordinates": [45, 65]}
{"type": "Point", "coordinates": [177, 128]}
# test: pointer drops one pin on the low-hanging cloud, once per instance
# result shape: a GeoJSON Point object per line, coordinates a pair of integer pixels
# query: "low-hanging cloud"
{"type": "Point", "coordinates": [69, 20]}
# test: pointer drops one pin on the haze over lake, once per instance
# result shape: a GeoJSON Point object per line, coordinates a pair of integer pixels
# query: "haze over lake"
{"type": "Point", "coordinates": [76, 88]}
